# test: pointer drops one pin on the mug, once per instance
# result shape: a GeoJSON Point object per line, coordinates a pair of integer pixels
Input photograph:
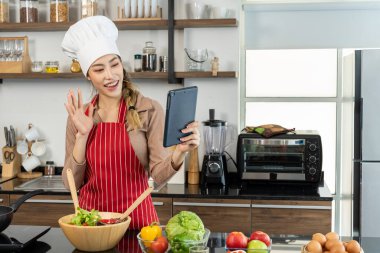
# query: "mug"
{"type": "Point", "coordinates": [22, 147]}
{"type": "Point", "coordinates": [31, 162]}
{"type": "Point", "coordinates": [32, 134]}
{"type": "Point", "coordinates": [221, 12]}
{"type": "Point", "coordinates": [38, 148]}
{"type": "Point", "coordinates": [195, 10]}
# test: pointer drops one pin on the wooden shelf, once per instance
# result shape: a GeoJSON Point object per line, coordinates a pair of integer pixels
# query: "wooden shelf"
{"type": "Point", "coordinates": [123, 25]}
{"type": "Point", "coordinates": [206, 74]}
{"type": "Point", "coordinates": [39, 75]}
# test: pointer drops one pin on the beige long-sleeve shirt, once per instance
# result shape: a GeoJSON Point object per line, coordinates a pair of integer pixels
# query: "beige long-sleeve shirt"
{"type": "Point", "coordinates": [147, 142]}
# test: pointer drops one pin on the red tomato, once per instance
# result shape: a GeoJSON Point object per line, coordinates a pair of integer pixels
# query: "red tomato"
{"type": "Point", "coordinates": [160, 245]}
{"type": "Point", "coordinates": [236, 240]}
{"type": "Point", "coordinates": [261, 236]}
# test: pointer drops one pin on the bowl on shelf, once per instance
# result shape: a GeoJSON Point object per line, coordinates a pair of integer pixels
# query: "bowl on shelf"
{"type": "Point", "coordinates": [184, 246]}
{"type": "Point", "coordinates": [94, 238]}
{"type": "Point", "coordinates": [147, 246]}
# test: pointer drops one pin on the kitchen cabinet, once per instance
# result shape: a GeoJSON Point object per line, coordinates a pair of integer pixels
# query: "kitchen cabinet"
{"type": "Point", "coordinates": [4, 199]}
{"type": "Point", "coordinates": [43, 210]}
{"type": "Point", "coordinates": [163, 207]}
{"type": "Point", "coordinates": [291, 217]}
{"type": "Point", "coordinates": [218, 214]}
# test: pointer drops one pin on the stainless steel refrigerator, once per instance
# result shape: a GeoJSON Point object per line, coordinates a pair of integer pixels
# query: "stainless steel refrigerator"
{"type": "Point", "coordinates": [367, 143]}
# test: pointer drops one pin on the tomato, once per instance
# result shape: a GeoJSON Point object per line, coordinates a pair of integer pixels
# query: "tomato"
{"type": "Point", "coordinates": [160, 245]}
{"type": "Point", "coordinates": [151, 232]}
{"type": "Point", "coordinates": [236, 240]}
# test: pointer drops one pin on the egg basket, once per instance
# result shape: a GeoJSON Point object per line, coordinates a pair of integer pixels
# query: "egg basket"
{"type": "Point", "coordinates": [304, 250]}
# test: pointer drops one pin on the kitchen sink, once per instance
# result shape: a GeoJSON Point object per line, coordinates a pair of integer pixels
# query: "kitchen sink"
{"type": "Point", "coordinates": [48, 183]}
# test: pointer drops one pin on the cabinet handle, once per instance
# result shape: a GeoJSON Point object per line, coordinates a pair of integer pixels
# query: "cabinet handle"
{"type": "Point", "coordinates": [211, 204]}
{"type": "Point", "coordinates": [50, 201]}
{"type": "Point", "coordinates": [291, 207]}
{"type": "Point", "coordinates": [156, 203]}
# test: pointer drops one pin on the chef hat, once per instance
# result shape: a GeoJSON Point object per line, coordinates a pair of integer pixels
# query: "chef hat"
{"type": "Point", "coordinates": [89, 39]}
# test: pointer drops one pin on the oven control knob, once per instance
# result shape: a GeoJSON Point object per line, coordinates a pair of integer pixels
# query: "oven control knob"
{"type": "Point", "coordinates": [213, 167]}
{"type": "Point", "coordinates": [312, 159]}
{"type": "Point", "coordinates": [312, 147]}
{"type": "Point", "coordinates": [312, 171]}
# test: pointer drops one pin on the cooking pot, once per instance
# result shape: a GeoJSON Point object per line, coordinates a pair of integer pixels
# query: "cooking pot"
{"type": "Point", "coordinates": [6, 212]}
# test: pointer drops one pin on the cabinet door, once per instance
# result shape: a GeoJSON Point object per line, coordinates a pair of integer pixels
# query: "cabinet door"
{"type": "Point", "coordinates": [4, 199]}
{"type": "Point", "coordinates": [218, 215]}
{"type": "Point", "coordinates": [44, 210]}
{"type": "Point", "coordinates": [291, 217]}
{"type": "Point", "coordinates": [163, 207]}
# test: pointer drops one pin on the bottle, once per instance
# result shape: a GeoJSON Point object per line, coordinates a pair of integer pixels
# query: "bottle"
{"type": "Point", "coordinates": [89, 8]}
{"type": "Point", "coordinates": [49, 168]}
{"type": "Point", "coordinates": [28, 11]}
{"type": "Point", "coordinates": [75, 66]}
{"type": "Point", "coordinates": [59, 11]}
{"type": "Point", "coordinates": [149, 59]}
{"type": "Point", "coordinates": [137, 63]}
{"type": "Point", "coordinates": [4, 11]}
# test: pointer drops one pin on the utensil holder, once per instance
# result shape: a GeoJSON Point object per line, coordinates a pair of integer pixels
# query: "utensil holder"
{"type": "Point", "coordinates": [22, 66]}
{"type": "Point", "coordinates": [11, 168]}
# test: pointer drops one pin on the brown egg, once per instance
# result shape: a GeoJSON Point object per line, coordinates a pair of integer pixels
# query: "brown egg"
{"type": "Point", "coordinates": [321, 238]}
{"type": "Point", "coordinates": [353, 247]}
{"type": "Point", "coordinates": [330, 243]}
{"type": "Point", "coordinates": [314, 247]}
{"type": "Point", "coordinates": [337, 248]}
{"type": "Point", "coordinates": [332, 235]}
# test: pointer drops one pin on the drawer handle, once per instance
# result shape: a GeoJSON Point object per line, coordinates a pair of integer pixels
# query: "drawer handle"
{"type": "Point", "coordinates": [291, 207]}
{"type": "Point", "coordinates": [156, 203]}
{"type": "Point", "coordinates": [211, 204]}
{"type": "Point", "coordinates": [50, 201]}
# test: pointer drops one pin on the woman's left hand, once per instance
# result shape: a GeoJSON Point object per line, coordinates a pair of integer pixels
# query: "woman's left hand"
{"type": "Point", "coordinates": [192, 141]}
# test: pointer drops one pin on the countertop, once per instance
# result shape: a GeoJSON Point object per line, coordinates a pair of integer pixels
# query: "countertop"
{"type": "Point", "coordinates": [55, 241]}
{"type": "Point", "coordinates": [258, 192]}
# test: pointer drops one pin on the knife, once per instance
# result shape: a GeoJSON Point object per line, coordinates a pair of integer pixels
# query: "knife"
{"type": "Point", "coordinates": [12, 135]}
{"type": "Point", "coordinates": [6, 133]}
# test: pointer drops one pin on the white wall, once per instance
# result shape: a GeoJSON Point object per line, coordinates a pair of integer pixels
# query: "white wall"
{"type": "Point", "coordinates": [41, 102]}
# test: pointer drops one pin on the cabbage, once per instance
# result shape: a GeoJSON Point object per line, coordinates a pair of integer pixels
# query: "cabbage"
{"type": "Point", "coordinates": [184, 227]}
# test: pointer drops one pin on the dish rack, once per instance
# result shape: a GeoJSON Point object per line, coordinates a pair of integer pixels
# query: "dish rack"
{"type": "Point", "coordinates": [22, 66]}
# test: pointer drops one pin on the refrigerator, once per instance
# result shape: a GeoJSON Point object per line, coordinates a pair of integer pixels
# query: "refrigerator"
{"type": "Point", "coordinates": [366, 170]}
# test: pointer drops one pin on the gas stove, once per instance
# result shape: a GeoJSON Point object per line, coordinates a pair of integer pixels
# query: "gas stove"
{"type": "Point", "coordinates": [17, 237]}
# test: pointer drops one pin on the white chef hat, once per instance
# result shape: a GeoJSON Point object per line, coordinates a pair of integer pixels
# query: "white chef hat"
{"type": "Point", "coordinates": [89, 39]}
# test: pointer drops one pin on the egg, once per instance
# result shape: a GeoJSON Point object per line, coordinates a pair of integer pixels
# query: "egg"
{"type": "Point", "coordinates": [353, 247]}
{"type": "Point", "coordinates": [314, 247]}
{"type": "Point", "coordinates": [321, 238]}
{"type": "Point", "coordinates": [337, 248]}
{"type": "Point", "coordinates": [330, 243]}
{"type": "Point", "coordinates": [332, 235]}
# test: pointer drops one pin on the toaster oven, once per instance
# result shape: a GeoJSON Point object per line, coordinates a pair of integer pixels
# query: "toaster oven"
{"type": "Point", "coordinates": [293, 157]}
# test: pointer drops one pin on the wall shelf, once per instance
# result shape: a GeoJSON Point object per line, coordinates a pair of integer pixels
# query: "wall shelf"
{"type": "Point", "coordinates": [123, 25]}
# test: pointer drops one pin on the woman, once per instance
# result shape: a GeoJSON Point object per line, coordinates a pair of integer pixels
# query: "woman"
{"type": "Point", "coordinates": [115, 142]}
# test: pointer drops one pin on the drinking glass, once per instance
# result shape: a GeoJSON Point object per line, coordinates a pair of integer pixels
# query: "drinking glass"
{"type": "Point", "coordinates": [19, 48]}
{"type": "Point", "coordinates": [199, 249]}
{"type": "Point", "coordinates": [1, 50]}
{"type": "Point", "coordinates": [8, 49]}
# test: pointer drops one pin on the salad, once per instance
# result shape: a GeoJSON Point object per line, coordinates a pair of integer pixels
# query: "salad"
{"type": "Point", "coordinates": [86, 218]}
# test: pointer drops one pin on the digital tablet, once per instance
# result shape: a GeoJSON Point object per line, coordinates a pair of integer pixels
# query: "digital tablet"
{"type": "Point", "coordinates": [180, 111]}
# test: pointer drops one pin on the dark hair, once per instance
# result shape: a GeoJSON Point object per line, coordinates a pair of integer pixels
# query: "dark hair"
{"type": "Point", "coordinates": [130, 94]}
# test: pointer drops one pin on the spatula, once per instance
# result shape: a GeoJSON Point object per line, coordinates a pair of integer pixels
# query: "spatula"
{"type": "Point", "coordinates": [73, 189]}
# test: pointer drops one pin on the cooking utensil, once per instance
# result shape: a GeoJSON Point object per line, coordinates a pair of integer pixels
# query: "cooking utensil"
{"type": "Point", "coordinates": [12, 136]}
{"type": "Point", "coordinates": [73, 189]}
{"type": "Point", "coordinates": [6, 133]}
{"type": "Point", "coordinates": [6, 212]}
{"type": "Point", "coordinates": [130, 209]}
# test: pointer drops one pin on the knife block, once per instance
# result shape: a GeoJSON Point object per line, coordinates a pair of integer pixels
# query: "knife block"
{"type": "Point", "coordinates": [10, 169]}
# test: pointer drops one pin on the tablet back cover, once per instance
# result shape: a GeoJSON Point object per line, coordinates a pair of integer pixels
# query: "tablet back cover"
{"type": "Point", "coordinates": [180, 111]}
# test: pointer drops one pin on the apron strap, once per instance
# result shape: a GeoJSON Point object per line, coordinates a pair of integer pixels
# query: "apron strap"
{"type": "Point", "coordinates": [93, 102]}
{"type": "Point", "coordinates": [122, 111]}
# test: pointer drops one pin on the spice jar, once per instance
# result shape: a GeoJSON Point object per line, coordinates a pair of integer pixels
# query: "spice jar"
{"type": "Point", "coordinates": [75, 66]}
{"type": "Point", "coordinates": [4, 11]}
{"type": "Point", "coordinates": [59, 11]}
{"type": "Point", "coordinates": [49, 168]}
{"type": "Point", "coordinates": [163, 63]}
{"type": "Point", "coordinates": [28, 11]}
{"type": "Point", "coordinates": [137, 63]}
{"type": "Point", "coordinates": [89, 8]}
{"type": "Point", "coordinates": [37, 66]}
{"type": "Point", "coordinates": [52, 67]}
{"type": "Point", "coordinates": [149, 59]}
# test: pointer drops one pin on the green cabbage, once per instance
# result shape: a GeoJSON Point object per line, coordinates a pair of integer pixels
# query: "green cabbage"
{"type": "Point", "coordinates": [183, 228]}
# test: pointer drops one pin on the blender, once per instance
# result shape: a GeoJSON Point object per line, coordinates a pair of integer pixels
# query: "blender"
{"type": "Point", "coordinates": [214, 167]}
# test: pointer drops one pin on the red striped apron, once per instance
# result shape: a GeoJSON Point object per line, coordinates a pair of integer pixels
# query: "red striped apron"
{"type": "Point", "coordinates": [114, 177]}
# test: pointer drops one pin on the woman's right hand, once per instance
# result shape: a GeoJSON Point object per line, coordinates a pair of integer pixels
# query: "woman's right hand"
{"type": "Point", "coordinates": [76, 110]}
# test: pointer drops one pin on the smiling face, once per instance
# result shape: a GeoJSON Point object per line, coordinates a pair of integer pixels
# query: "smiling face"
{"type": "Point", "coordinates": [106, 74]}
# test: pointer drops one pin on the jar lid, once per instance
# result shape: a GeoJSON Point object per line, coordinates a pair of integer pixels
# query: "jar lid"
{"type": "Point", "coordinates": [137, 56]}
{"type": "Point", "coordinates": [49, 162]}
{"type": "Point", "coordinates": [52, 63]}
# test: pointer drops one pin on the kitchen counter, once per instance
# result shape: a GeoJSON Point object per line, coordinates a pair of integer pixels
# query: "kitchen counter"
{"type": "Point", "coordinates": [257, 192]}
{"type": "Point", "coordinates": [55, 241]}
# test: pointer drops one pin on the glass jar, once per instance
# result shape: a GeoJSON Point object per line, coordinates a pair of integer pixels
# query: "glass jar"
{"type": "Point", "coordinates": [29, 11]}
{"type": "Point", "coordinates": [4, 11]}
{"type": "Point", "coordinates": [164, 63]}
{"type": "Point", "coordinates": [52, 67]}
{"type": "Point", "coordinates": [59, 11]}
{"type": "Point", "coordinates": [89, 8]}
{"type": "Point", "coordinates": [137, 63]}
{"type": "Point", "coordinates": [149, 58]}
{"type": "Point", "coordinates": [37, 66]}
{"type": "Point", "coordinates": [49, 168]}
